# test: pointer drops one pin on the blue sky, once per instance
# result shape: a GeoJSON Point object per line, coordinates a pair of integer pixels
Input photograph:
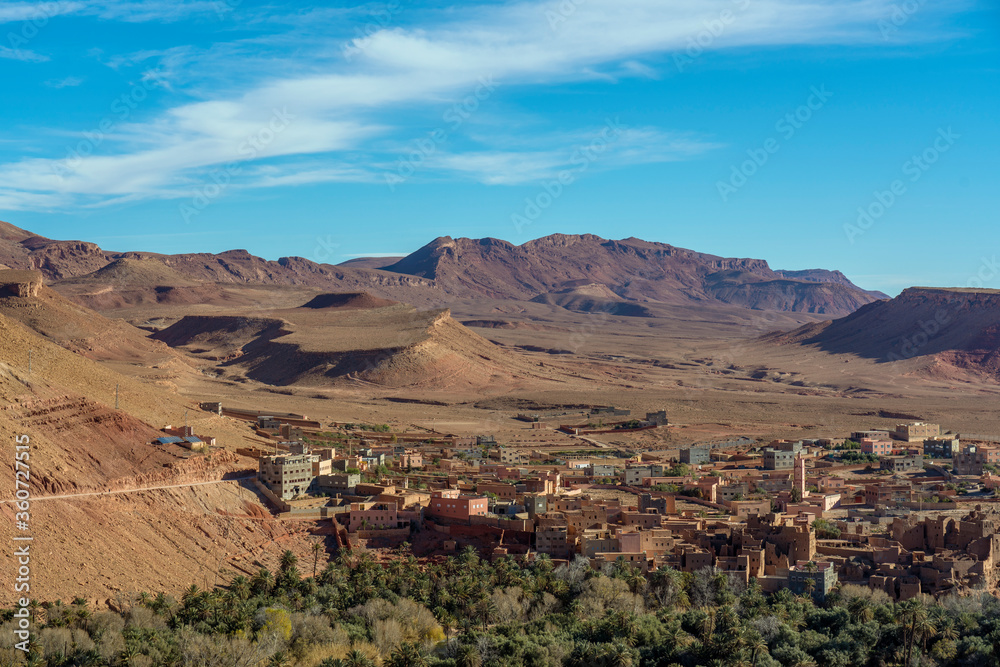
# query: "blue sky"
{"type": "Point", "coordinates": [858, 135]}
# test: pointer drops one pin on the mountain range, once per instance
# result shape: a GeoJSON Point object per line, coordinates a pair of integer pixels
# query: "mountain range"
{"type": "Point", "coordinates": [548, 270]}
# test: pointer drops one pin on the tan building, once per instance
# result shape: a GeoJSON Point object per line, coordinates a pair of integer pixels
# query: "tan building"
{"type": "Point", "coordinates": [972, 458]}
{"type": "Point", "coordinates": [916, 431]}
{"type": "Point", "coordinates": [289, 475]}
{"type": "Point", "coordinates": [887, 494]}
{"type": "Point", "coordinates": [554, 541]}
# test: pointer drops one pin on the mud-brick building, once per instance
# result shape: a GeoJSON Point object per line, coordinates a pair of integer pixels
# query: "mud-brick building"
{"type": "Point", "coordinates": [289, 475]}
{"type": "Point", "coordinates": [450, 504]}
{"type": "Point", "coordinates": [823, 576]}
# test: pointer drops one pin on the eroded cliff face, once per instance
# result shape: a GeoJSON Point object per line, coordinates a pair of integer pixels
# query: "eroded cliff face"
{"type": "Point", "coordinates": [634, 270]}
{"type": "Point", "coordinates": [21, 284]}
{"type": "Point", "coordinates": [631, 269]}
{"type": "Point", "coordinates": [950, 328]}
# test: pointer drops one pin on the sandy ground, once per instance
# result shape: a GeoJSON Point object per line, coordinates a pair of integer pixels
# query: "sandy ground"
{"type": "Point", "coordinates": [712, 378]}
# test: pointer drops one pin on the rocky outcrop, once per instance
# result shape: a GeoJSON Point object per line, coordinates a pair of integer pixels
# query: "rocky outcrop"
{"type": "Point", "coordinates": [20, 283]}
{"type": "Point", "coordinates": [957, 328]}
{"type": "Point", "coordinates": [631, 270]}
{"type": "Point", "coordinates": [635, 271]}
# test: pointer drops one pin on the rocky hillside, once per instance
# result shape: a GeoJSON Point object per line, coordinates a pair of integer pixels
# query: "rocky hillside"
{"type": "Point", "coordinates": [959, 328]}
{"type": "Point", "coordinates": [24, 299]}
{"type": "Point", "coordinates": [60, 260]}
{"type": "Point", "coordinates": [629, 271]}
{"type": "Point", "coordinates": [334, 340]}
{"type": "Point", "coordinates": [114, 514]}
{"type": "Point", "coordinates": [632, 269]}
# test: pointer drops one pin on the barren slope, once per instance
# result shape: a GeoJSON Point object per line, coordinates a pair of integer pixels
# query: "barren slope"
{"type": "Point", "coordinates": [82, 330]}
{"type": "Point", "coordinates": [97, 546]}
{"type": "Point", "coordinates": [631, 268]}
{"type": "Point", "coordinates": [924, 334]}
{"type": "Point", "coordinates": [339, 341]}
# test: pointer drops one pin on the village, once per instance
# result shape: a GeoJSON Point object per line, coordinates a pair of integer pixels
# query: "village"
{"type": "Point", "coordinates": [906, 511]}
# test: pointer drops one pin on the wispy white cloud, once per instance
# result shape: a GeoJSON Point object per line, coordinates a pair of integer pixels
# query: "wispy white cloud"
{"type": "Point", "coordinates": [139, 11]}
{"type": "Point", "coordinates": [23, 55]}
{"type": "Point", "coordinates": [38, 12]}
{"type": "Point", "coordinates": [68, 82]}
{"type": "Point", "coordinates": [129, 11]}
{"type": "Point", "coordinates": [587, 152]}
{"type": "Point", "coordinates": [339, 107]}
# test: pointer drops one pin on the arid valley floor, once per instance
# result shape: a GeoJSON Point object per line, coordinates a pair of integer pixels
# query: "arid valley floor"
{"type": "Point", "coordinates": [747, 354]}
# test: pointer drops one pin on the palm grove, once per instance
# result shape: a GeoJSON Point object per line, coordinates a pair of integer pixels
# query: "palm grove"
{"type": "Point", "coordinates": [466, 612]}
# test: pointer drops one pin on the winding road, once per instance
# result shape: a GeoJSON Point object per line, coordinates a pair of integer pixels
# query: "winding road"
{"type": "Point", "coordinates": [135, 490]}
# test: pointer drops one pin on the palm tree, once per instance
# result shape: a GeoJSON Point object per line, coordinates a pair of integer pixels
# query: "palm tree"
{"type": "Point", "coordinates": [317, 549]}
{"type": "Point", "coordinates": [619, 655]}
{"type": "Point", "coordinates": [925, 629]}
{"type": "Point", "coordinates": [358, 659]}
{"type": "Point", "coordinates": [288, 560]}
{"type": "Point", "coordinates": [279, 659]}
{"type": "Point", "coordinates": [191, 592]}
{"type": "Point", "coordinates": [159, 603]}
{"type": "Point", "coordinates": [912, 616]}
{"type": "Point", "coordinates": [486, 610]}
{"type": "Point", "coordinates": [445, 618]}
{"type": "Point", "coordinates": [407, 655]}
{"type": "Point", "coordinates": [861, 609]}
{"type": "Point", "coordinates": [240, 587]}
{"type": "Point", "coordinates": [469, 656]}
{"type": "Point", "coordinates": [758, 647]}
{"type": "Point", "coordinates": [262, 582]}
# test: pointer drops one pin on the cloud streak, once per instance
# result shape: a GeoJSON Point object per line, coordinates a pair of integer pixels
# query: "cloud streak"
{"type": "Point", "coordinates": [340, 107]}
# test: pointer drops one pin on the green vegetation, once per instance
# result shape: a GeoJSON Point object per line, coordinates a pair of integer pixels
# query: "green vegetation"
{"type": "Point", "coordinates": [376, 428]}
{"type": "Point", "coordinates": [631, 423]}
{"type": "Point", "coordinates": [847, 444]}
{"type": "Point", "coordinates": [465, 612]}
{"type": "Point", "coordinates": [679, 470]}
{"type": "Point", "coordinates": [858, 457]}
{"type": "Point", "coordinates": [826, 530]}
